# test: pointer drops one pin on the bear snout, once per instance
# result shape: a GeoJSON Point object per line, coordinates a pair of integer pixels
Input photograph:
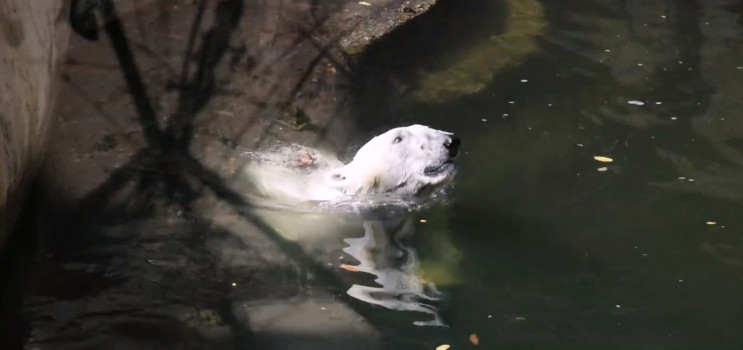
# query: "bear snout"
{"type": "Point", "coordinates": [452, 145]}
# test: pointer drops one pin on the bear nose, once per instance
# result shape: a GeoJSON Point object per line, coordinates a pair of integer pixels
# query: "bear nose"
{"type": "Point", "coordinates": [452, 144]}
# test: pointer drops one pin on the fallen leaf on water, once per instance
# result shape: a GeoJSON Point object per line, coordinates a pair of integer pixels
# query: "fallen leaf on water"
{"type": "Point", "coordinates": [520, 318]}
{"type": "Point", "coordinates": [443, 347]}
{"type": "Point", "coordinates": [711, 222]}
{"type": "Point", "coordinates": [424, 221]}
{"type": "Point", "coordinates": [364, 3]}
{"type": "Point", "coordinates": [603, 168]}
{"type": "Point", "coordinates": [603, 159]}
{"type": "Point", "coordinates": [350, 267]}
{"type": "Point", "coordinates": [474, 339]}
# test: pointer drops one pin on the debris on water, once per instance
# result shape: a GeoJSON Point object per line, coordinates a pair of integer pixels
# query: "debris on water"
{"type": "Point", "coordinates": [490, 316]}
{"type": "Point", "coordinates": [579, 144]}
{"type": "Point", "coordinates": [674, 118]}
{"type": "Point", "coordinates": [618, 306]}
{"type": "Point", "coordinates": [474, 339]}
{"type": "Point", "coordinates": [483, 119]}
{"type": "Point", "coordinates": [443, 347]}
{"type": "Point", "coordinates": [364, 3]}
{"type": "Point", "coordinates": [636, 102]}
{"type": "Point", "coordinates": [691, 180]}
{"type": "Point", "coordinates": [603, 159]}
{"type": "Point", "coordinates": [423, 221]}
{"type": "Point", "coordinates": [682, 178]}
{"type": "Point", "coordinates": [511, 102]}
{"type": "Point", "coordinates": [681, 281]}
{"type": "Point", "coordinates": [350, 267]}
{"type": "Point", "coordinates": [234, 284]}
{"type": "Point", "coordinates": [520, 318]}
{"type": "Point", "coordinates": [639, 64]}
{"type": "Point", "coordinates": [603, 168]}
{"type": "Point", "coordinates": [607, 50]}
{"type": "Point", "coordinates": [711, 223]}
{"type": "Point", "coordinates": [658, 103]}
{"type": "Point", "coordinates": [524, 80]}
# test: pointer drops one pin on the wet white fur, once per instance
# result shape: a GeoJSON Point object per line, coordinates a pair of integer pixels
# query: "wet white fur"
{"type": "Point", "coordinates": [391, 163]}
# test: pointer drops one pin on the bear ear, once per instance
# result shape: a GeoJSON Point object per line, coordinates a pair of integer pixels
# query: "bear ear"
{"type": "Point", "coordinates": [337, 178]}
{"type": "Point", "coordinates": [342, 179]}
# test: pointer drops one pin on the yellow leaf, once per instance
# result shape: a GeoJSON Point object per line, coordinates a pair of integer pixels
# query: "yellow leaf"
{"type": "Point", "coordinates": [603, 159]}
{"type": "Point", "coordinates": [350, 268]}
{"type": "Point", "coordinates": [443, 347]}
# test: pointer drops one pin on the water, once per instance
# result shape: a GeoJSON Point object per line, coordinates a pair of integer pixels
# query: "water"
{"type": "Point", "coordinates": [556, 252]}
{"type": "Point", "coordinates": [537, 244]}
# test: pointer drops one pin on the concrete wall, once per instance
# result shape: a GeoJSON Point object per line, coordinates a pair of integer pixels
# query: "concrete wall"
{"type": "Point", "coordinates": [33, 36]}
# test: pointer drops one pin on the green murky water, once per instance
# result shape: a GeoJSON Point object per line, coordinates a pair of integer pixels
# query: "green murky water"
{"type": "Point", "coordinates": [536, 245]}
{"type": "Point", "coordinates": [556, 249]}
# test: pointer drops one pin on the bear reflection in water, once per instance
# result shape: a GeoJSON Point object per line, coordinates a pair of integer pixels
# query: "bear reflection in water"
{"type": "Point", "coordinates": [308, 196]}
{"type": "Point", "coordinates": [384, 253]}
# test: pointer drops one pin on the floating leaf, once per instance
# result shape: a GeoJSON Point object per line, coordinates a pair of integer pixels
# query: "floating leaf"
{"type": "Point", "coordinates": [443, 347]}
{"type": "Point", "coordinates": [603, 168]}
{"type": "Point", "coordinates": [711, 222]}
{"type": "Point", "coordinates": [474, 339]}
{"type": "Point", "coordinates": [364, 3]}
{"type": "Point", "coordinates": [603, 159]}
{"type": "Point", "coordinates": [350, 267]}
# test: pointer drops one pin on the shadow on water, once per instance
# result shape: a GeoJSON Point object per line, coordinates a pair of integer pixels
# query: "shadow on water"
{"type": "Point", "coordinates": [95, 285]}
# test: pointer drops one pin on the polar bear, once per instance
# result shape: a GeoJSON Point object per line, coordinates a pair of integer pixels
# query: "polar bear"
{"type": "Point", "coordinates": [407, 162]}
{"type": "Point", "coordinates": [289, 186]}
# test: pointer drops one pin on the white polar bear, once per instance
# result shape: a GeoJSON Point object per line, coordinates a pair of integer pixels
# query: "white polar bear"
{"type": "Point", "coordinates": [408, 162]}
{"type": "Point", "coordinates": [404, 164]}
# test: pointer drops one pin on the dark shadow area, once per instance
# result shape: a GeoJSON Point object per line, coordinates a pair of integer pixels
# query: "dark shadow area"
{"type": "Point", "coordinates": [89, 279]}
{"type": "Point", "coordinates": [15, 260]}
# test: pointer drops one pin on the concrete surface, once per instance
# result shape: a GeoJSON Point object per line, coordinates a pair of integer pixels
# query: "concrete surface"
{"type": "Point", "coordinates": [33, 37]}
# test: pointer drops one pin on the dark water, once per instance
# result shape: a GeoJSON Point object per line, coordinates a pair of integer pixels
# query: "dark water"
{"type": "Point", "coordinates": [537, 244]}
{"type": "Point", "coordinates": [553, 251]}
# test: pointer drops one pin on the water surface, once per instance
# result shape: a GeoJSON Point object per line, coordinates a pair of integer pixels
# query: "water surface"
{"type": "Point", "coordinates": [536, 245]}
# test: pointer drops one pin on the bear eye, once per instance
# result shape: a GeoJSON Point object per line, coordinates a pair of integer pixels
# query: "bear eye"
{"type": "Point", "coordinates": [397, 139]}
